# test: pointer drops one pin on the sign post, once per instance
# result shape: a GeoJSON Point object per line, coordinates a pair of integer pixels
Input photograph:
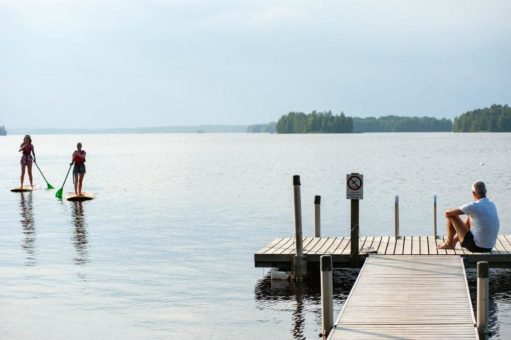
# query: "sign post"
{"type": "Point", "coordinates": [354, 192]}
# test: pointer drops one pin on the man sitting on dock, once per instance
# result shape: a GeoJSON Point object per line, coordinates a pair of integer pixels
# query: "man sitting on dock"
{"type": "Point", "coordinates": [480, 231]}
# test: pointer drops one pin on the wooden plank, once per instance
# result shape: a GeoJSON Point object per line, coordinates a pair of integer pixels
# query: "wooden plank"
{"type": "Point", "coordinates": [325, 246]}
{"type": "Point", "coordinates": [315, 245]}
{"type": "Point", "coordinates": [289, 241]}
{"type": "Point", "coordinates": [500, 247]}
{"type": "Point", "coordinates": [424, 245]}
{"type": "Point", "coordinates": [270, 245]}
{"type": "Point", "coordinates": [382, 248]}
{"type": "Point", "coordinates": [506, 243]}
{"type": "Point", "coordinates": [337, 242]}
{"type": "Point", "coordinates": [391, 246]}
{"type": "Point", "coordinates": [376, 243]}
{"type": "Point", "coordinates": [432, 245]}
{"type": "Point", "coordinates": [416, 246]}
{"type": "Point", "coordinates": [407, 247]}
{"type": "Point", "coordinates": [344, 244]}
{"type": "Point", "coordinates": [399, 246]}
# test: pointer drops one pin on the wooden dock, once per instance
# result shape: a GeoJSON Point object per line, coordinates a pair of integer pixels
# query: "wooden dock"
{"type": "Point", "coordinates": [408, 297]}
{"type": "Point", "coordinates": [279, 252]}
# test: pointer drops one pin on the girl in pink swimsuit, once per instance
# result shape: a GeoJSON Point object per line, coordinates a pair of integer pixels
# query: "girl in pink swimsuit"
{"type": "Point", "coordinates": [27, 158]}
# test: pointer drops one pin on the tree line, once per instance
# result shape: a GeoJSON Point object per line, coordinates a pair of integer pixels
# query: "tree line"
{"type": "Point", "coordinates": [402, 124]}
{"type": "Point", "coordinates": [3, 132]}
{"type": "Point", "coordinates": [326, 122]}
{"type": "Point", "coordinates": [314, 122]}
{"type": "Point", "coordinates": [496, 118]}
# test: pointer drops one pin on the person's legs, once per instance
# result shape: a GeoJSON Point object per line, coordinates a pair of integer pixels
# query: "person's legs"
{"type": "Point", "coordinates": [29, 168]}
{"type": "Point", "coordinates": [456, 231]}
{"type": "Point", "coordinates": [75, 182]}
{"type": "Point", "coordinates": [22, 174]}
{"type": "Point", "coordinates": [80, 184]}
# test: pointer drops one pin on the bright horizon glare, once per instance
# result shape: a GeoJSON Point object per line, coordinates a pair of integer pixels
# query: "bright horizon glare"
{"type": "Point", "coordinates": [134, 63]}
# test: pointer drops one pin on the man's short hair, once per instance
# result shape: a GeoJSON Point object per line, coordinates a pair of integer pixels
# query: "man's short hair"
{"type": "Point", "coordinates": [479, 188]}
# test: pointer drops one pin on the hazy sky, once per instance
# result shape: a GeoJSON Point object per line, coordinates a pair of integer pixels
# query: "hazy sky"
{"type": "Point", "coordinates": [129, 63]}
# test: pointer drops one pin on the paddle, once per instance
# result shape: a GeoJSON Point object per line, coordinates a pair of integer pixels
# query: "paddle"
{"type": "Point", "coordinates": [58, 194]}
{"type": "Point", "coordinates": [48, 184]}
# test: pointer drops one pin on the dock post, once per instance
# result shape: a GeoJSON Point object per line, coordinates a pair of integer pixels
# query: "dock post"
{"type": "Point", "coordinates": [435, 232]}
{"type": "Point", "coordinates": [396, 217]}
{"type": "Point", "coordinates": [482, 298]}
{"type": "Point", "coordinates": [317, 216]}
{"type": "Point", "coordinates": [354, 231]}
{"type": "Point", "coordinates": [327, 305]}
{"type": "Point", "coordinates": [299, 264]}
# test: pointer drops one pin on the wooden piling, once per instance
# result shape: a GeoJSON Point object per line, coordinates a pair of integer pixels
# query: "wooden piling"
{"type": "Point", "coordinates": [482, 298]}
{"type": "Point", "coordinates": [317, 216]}
{"type": "Point", "coordinates": [327, 304]}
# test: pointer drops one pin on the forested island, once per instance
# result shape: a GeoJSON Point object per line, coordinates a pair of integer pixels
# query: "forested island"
{"type": "Point", "coordinates": [496, 118]}
{"type": "Point", "coordinates": [401, 124]}
{"type": "Point", "coordinates": [3, 131]}
{"type": "Point", "coordinates": [314, 122]}
{"type": "Point", "coordinates": [326, 122]}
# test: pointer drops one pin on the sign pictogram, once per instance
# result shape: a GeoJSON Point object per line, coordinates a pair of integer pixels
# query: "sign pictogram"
{"type": "Point", "coordinates": [354, 186]}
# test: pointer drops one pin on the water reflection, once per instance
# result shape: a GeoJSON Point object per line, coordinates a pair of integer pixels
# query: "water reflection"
{"type": "Point", "coordinates": [80, 234]}
{"type": "Point", "coordinates": [28, 228]}
{"type": "Point", "coordinates": [298, 297]}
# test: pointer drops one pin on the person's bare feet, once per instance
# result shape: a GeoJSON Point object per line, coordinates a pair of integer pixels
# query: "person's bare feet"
{"type": "Point", "coordinates": [445, 245]}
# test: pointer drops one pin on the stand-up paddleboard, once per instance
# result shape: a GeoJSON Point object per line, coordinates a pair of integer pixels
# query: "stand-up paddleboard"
{"type": "Point", "coordinates": [85, 196]}
{"type": "Point", "coordinates": [26, 188]}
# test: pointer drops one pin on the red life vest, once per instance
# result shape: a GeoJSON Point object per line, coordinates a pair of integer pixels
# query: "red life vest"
{"type": "Point", "coordinates": [79, 157]}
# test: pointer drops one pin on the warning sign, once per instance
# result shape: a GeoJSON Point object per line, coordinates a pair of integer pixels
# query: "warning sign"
{"type": "Point", "coordinates": [354, 186]}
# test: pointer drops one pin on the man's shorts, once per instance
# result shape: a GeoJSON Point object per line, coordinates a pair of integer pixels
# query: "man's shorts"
{"type": "Point", "coordinates": [79, 169]}
{"type": "Point", "coordinates": [26, 159]}
{"type": "Point", "coordinates": [469, 243]}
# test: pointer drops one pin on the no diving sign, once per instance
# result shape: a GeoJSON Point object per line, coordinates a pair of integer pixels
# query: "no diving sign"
{"type": "Point", "coordinates": [354, 186]}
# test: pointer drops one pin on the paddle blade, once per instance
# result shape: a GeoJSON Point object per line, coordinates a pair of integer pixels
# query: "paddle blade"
{"type": "Point", "coordinates": [49, 186]}
{"type": "Point", "coordinates": [58, 194]}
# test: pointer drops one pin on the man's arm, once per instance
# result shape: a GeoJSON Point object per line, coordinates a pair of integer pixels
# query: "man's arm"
{"type": "Point", "coordinates": [453, 212]}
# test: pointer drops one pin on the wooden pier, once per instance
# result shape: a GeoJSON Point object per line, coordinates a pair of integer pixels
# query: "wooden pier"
{"type": "Point", "coordinates": [279, 252]}
{"type": "Point", "coordinates": [408, 297]}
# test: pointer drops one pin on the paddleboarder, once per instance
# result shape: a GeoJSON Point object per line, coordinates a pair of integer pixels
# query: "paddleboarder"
{"type": "Point", "coordinates": [78, 159]}
{"type": "Point", "coordinates": [27, 158]}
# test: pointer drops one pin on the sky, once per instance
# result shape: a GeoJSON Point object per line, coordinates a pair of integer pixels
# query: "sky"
{"type": "Point", "coordinates": [143, 63]}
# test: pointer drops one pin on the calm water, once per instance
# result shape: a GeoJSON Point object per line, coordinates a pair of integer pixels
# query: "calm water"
{"type": "Point", "coordinates": [166, 248]}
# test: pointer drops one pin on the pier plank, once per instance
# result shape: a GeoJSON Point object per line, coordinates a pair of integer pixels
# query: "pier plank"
{"type": "Point", "coordinates": [407, 247]}
{"type": "Point", "coordinates": [279, 251]}
{"type": "Point", "coordinates": [405, 297]}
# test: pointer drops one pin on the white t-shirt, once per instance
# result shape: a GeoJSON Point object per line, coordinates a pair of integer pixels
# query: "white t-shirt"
{"type": "Point", "coordinates": [485, 222]}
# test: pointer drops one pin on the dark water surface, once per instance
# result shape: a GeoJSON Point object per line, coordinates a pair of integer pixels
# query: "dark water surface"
{"type": "Point", "coordinates": [165, 251]}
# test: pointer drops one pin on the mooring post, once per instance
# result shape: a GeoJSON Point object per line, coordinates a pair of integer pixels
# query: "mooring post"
{"type": "Point", "coordinates": [317, 216]}
{"type": "Point", "coordinates": [435, 233]}
{"type": "Point", "coordinates": [299, 264]}
{"type": "Point", "coordinates": [354, 231]}
{"type": "Point", "coordinates": [396, 217]}
{"type": "Point", "coordinates": [482, 298]}
{"type": "Point", "coordinates": [327, 294]}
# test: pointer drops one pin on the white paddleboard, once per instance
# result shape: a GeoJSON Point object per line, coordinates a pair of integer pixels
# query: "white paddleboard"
{"type": "Point", "coordinates": [85, 196]}
{"type": "Point", "coordinates": [26, 188]}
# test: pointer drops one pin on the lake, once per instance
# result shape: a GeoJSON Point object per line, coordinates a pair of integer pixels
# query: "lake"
{"type": "Point", "coordinates": [166, 248]}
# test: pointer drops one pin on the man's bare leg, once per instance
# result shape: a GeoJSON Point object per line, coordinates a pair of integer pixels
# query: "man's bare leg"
{"type": "Point", "coordinates": [456, 231]}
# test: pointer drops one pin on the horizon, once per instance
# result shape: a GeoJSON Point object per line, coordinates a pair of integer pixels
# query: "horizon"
{"type": "Point", "coordinates": [98, 64]}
